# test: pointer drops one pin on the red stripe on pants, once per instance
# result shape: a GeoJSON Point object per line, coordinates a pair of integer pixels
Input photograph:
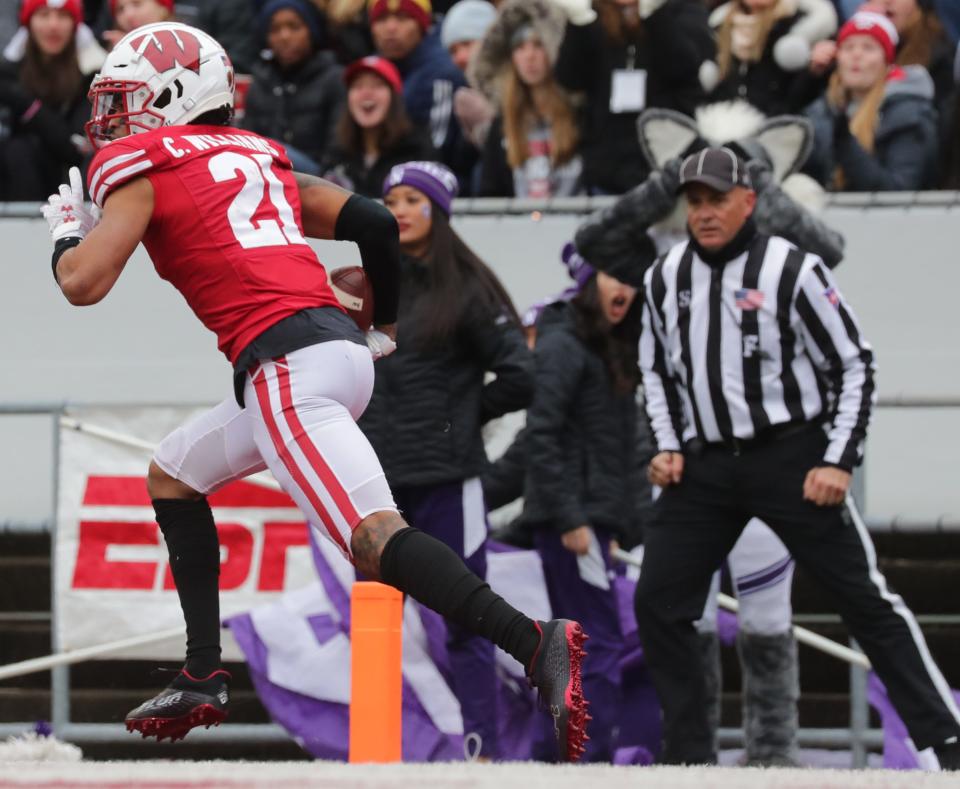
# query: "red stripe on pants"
{"type": "Point", "coordinates": [310, 451]}
{"type": "Point", "coordinates": [290, 463]}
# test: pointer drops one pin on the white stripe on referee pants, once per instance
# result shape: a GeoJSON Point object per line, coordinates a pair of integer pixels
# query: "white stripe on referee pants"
{"type": "Point", "coordinates": [895, 600]}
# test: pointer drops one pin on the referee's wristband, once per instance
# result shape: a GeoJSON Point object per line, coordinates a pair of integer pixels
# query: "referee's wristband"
{"type": "Point", "coordinates": [61, 246]}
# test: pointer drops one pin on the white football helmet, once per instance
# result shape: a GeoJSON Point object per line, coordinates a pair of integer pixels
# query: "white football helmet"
{"type": "Point", "coordinates": [162, 74]}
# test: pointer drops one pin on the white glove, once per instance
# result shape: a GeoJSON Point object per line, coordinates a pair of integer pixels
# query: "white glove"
{"type": "Point", "coordinates": [380, 344]}
{"type": "Point", "coordinates": [579, 12]}
{"type": "Point", "coordinates": [66, 213]}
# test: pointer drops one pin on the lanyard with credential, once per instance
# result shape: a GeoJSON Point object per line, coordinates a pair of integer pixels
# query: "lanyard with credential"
{"type": "Point", "coordinates": [628, 86]}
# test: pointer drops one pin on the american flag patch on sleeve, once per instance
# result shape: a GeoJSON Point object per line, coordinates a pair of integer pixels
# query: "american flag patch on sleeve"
{"type": "Point", "coordinates": [749, 298]}
{"type": "Point", "coordinates": [831, 295]}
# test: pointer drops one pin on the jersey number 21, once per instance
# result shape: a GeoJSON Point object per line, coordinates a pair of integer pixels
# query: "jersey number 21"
{"type": "Point", "coordinates": [257, 171]}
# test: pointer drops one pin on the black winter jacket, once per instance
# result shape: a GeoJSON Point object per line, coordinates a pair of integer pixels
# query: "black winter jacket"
{"type": "Point", "coordinates": [503, 482]}
{"type": "Point", "coordinates": [673, 42]}
{"type": "Point", "coordinates": [581, 435]}
{"type": "Point", "coordinates": [230, 22]}
{"type": "Point", "coordinates": [36, 145]}
{"type": "Point", "coordinates": [300, 107]}
{"type": "Point", "coordinates": [767, 86]}
{"type": "Point", "coordinates": [428, 405]}
{"type": "Point", "coordinates": [351, 171]}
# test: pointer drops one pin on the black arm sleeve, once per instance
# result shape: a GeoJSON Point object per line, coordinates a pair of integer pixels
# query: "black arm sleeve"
{"type": "Point", "coordinates": [374, 230]}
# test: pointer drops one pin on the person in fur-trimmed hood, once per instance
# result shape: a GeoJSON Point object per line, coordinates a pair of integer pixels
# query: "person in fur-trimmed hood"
{"type": "Point", "coordinates": [531, 149]}
{"type": "Point", "coordinates": [763, 51]}
{"type": "Point", "coordinates": [876, 126]}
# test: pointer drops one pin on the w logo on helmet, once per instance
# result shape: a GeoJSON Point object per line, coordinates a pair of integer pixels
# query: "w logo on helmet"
{"type": "Point", "coordinates": [165, 49]}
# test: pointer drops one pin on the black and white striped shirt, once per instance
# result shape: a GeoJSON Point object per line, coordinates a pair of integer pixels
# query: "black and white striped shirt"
{"type": "Point", "coordinates": [764, 339]}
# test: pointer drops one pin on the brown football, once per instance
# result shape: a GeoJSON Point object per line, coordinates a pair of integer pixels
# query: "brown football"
{"type": "Point", "coordinates": [352, 289]}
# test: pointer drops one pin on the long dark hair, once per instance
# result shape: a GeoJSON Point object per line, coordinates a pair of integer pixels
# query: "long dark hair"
{"type": "Point", "coordinates": [917, 41]}
{"type": "Point", "coordinates": [396, 125]}
{"type": "Point", "coordinates": [616, 345]}
{"type": "Point", "coordinates": [461, 287]}
{"type": "Point", "coordinates": [57, 79]}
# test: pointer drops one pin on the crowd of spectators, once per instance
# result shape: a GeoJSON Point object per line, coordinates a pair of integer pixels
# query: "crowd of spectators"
{"type": "Point", "coordinates": [525, 98]}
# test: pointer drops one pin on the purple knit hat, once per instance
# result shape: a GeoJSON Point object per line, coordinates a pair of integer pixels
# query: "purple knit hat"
{"type": "Point", "coordinates": [431, 178]}
{"type": "Point", "coordinates": [580, 272]}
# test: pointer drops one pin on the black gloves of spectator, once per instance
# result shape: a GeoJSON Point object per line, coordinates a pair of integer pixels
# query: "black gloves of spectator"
{"type": "Point", "coordinates": [13, 95]}
{"type": "Point", "coordinates": [841, 127]}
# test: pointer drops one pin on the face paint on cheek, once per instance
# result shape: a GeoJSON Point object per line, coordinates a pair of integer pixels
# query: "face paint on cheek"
{"type": "Point", "coordinates": [426, 210]}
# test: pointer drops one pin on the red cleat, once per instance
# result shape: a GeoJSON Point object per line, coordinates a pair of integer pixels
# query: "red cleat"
{"type": "Point", "coordinates": [186, 703]}
{"type": "Point", "coordinates": [556, 674]}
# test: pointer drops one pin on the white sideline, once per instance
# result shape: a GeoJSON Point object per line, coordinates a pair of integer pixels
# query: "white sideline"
{"type": "Point", "coordinates": [526, 775]}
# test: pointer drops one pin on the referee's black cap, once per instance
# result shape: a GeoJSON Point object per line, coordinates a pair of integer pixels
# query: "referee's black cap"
{"type": "Point", "coordinates": [719, 168]}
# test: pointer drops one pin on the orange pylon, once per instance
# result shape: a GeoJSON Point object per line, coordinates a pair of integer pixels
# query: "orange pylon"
{"type": "Point", "coordinates": [376, 679]}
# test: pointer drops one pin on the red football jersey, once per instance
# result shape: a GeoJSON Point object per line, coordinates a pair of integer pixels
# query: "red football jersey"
{"type": "Point", "coordinates": [226, 228]}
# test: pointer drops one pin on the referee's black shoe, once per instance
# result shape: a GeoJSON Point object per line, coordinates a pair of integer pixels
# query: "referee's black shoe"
{"type": "Point", "coordinates": [184, 704]}
{"type": "Point", "coordinates": [948, 754]}
{"type": "Point", "coordinates": [555, 672]}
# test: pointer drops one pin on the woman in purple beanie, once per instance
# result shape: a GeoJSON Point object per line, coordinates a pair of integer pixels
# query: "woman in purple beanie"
{"type": "Point", "coordinates": [456, 324]}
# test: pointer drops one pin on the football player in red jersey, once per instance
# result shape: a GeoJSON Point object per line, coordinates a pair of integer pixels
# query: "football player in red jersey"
{"type": "Point", "coordinates": [223, 218]}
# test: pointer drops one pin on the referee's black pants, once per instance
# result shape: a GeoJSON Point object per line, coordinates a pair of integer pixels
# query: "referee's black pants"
{"type": "Point", "coordinates": [695, 525]}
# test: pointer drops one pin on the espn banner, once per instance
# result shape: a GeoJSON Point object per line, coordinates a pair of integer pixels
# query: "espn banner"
{"type": "Point", "coordinates": [113, 579]}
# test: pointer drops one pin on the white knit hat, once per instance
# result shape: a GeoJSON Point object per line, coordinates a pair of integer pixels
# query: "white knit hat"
{"type": "Point", "coordinates": [467, 20]}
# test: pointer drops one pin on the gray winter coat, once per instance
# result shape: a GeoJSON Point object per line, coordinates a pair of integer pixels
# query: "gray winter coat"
{"type": "Point", "coordinates": [580, 441]}
{"type": "Point", "coordinates": [905, 147]}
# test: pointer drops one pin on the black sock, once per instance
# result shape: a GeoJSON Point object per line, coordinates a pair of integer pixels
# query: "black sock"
{"type": "Point", "coordinates": [194, 549]}
{"type": "Point", "coordinates": [431, 573]}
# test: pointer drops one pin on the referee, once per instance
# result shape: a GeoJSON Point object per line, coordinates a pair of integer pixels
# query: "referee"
{"type": "Point", "coordinates": [748, 352]}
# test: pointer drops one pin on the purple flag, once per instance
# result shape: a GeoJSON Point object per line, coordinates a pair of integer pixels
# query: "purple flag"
{"type": "Point", "coordinates": [899, 752]}
{"type": "Point", "coordinates": [298, 653]}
